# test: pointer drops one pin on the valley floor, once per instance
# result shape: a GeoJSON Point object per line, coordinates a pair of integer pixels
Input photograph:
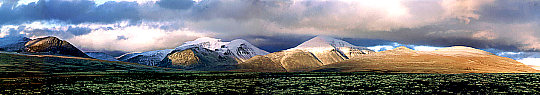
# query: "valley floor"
{"type": "Point", "coordinates": [46, 74]}
{"type": "Point", "coordinates": [271, 83]}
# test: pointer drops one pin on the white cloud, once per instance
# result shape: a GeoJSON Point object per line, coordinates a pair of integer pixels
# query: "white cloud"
{"type": "Point", "coordinates": [527, 58]}
{"type": "Point", "coordinates": [395, 45]}
{"type": "Point", "coordinates": [117, 36]}
{"type": "Point", "coordinates": [380, 48]}
{"type": "Point", "coordinates": [530, 61]}
{"type": "Point", "coordinates": [25, 2]}
{"type": "Point", "coordinates": [134, 38]}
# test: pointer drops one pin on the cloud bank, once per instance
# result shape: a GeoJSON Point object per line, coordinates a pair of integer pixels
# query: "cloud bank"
{"type": "Point", "coordinates": [129, 25]}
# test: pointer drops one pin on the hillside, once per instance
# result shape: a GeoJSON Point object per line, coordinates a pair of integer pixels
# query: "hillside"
{"type": "Point", "coordinates": [52, 46]}
{"type": "Point", "coordinates": [206, 54]}
{"type": "Point", "coordinates": [14, 64]}
{"type": "Point", "coordinates": [448, 60]}
{"type": "Point", "coordinates": [316, 52]}
{"type": "Point", "coordinates": [101, 56]}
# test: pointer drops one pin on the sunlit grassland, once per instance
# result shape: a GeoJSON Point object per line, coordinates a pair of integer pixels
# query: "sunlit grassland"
{"type": "Point", "coordinates": [52, 75]}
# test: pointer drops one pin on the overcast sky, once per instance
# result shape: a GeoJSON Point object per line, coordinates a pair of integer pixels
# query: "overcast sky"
{"type": "Point", "coordinates": [143, 25]}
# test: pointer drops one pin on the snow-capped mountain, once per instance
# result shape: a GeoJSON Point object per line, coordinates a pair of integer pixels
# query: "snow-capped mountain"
{"type": "Point", "coordinates": [150, 58]}
{"type": "Point", "coordinates": [238, 49]}
{"type": "Point", "coordinates": [13, 43]}
{"type": "Point", "coordinates": [316, 52]}
{"type": "Point", "coordinates": [330, 50]}
{"type": "Point", "coordinates": [101, 56]}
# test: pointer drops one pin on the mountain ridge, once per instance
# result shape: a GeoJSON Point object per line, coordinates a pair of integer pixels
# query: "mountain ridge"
{"type": "Point", "coordinates": [316, 52]}
{"type": "Point", "coordinates": [457, 59]}
{"type": "Point", "coordinates": [320, 53]}
{"type": "Point", "coordinates": [205, 49]}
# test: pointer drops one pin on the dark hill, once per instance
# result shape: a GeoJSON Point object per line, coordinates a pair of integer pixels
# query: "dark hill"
{"type": "Point", "coordinates": [53, 46]}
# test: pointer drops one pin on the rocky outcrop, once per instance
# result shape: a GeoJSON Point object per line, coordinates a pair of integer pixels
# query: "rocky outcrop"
{"type": "Point", "coordinates": [183, 58]}
{"type": "Point", "coordinates": [54, 46]}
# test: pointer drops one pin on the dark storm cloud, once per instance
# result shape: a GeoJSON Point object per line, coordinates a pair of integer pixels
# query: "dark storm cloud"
{"type": "Point", "coordinates": [504, 11]}
{"type": "Point", "coordinates": [110, 12]}
{"type": "Point", "coordinates": [275, 25]}
{"type": "Point", "coordinates": [477, 23]}
{"type": "Point", "coordinates": [75, 12]}
{"type": "Point", "coordinates": [240, 9]}
{"type": "Point", "coordinates": [78, 30]}
{"type": "Point", "coordinates": [445, 35]}
{"type": "Point", "coordinates": [176, 4]}
{"type": "Point", "coordinates": [64, 34]}
{"type": "Point", "coordinates": [276, 42]}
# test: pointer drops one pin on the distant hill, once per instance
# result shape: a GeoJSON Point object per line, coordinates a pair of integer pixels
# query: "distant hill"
{"type": "Point", "coordinates": [13, 44]}
{"type": "Point", "coordinates": [324, 54]}
{"type": "Point", "coordinates": [46, 64]}
{"type": "Point", "coordinates": [101, 56]}
{"type": "Point", "coordinates": [456, 59]}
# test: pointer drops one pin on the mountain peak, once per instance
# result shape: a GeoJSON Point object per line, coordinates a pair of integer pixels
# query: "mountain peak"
{"type": "Point", "coordinates": [323, 42]}
{"type": "Point", "coordinates": [53, 45]}
{"type": "Point", "coordinates": [463, 49]}
{"type": "Point", "coordinates": [205, 42]}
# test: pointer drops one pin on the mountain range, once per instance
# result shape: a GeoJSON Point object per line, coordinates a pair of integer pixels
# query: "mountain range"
{"type": "Point", "coordinates": [320, 53]}
{"type": "Point", "coordinates": [200, 54]}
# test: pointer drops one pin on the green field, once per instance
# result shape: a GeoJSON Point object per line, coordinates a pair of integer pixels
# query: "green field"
{"type": "Point", "coordinates": [52, 75]}
{"type": "Point", "coordinates": [273, 83]}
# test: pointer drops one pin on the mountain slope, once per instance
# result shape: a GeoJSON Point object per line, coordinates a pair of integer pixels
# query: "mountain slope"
{"type": "Point", "coordinates": [329, 50]}
{"type": "Point", "coordinates": [316, 52]}
{"type": "Point", "coordinates": [37, 65]}
{"type": "Point", "coordinates": [238, 48]}
{"type": "Point", "coordinates": [199, 59]}
{"type": "Point", "coordinates": [290, 61]}
{"type": "Point", "coordinates": [101, 56]}
{"type": "Point", "coordinates": [53, 45]}
{"type": "Point", "coordinates": [199, 54]}
{"type": "Point", "coordinates": [448, 60]}
{"type": "Point", "coordinates": [150, 58]}
{"type": "Point", "coordinates": [13, 44]}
